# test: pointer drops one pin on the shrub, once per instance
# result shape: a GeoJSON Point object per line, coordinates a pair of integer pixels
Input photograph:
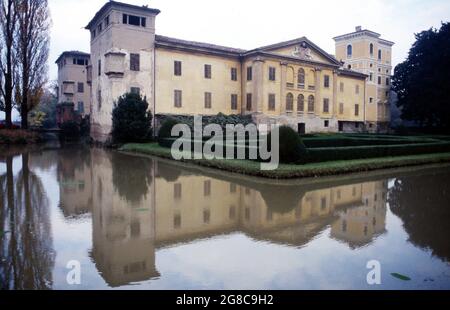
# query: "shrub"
{"type": "Point", "coordinates": [18, 136]}
{"type": "Point", "coordinates": [131, 119]}
{"type": "Point", "coordinates": [70, 130]}
{"type": "Point", "coordinates": [166, 129]}
{"type": "Point", "coordinates": [292, 149]}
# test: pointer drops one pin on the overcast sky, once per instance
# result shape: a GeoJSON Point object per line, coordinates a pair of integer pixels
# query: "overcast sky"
{"type": "Point", "coordinates": [252, 23]}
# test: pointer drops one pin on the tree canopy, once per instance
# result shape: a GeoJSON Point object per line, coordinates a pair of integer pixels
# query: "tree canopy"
{"type": "Point", "coordinates": [422, 81]}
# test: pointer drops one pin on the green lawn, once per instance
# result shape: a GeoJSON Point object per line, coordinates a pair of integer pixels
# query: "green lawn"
{"type": "Point", "coordinates": [297, 171]}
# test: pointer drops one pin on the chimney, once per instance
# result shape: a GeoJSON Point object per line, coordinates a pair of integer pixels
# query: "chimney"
{"type": "Point", "coordinates": [358, 28]}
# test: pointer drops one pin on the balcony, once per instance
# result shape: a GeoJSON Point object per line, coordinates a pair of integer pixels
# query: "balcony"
{"type": "Point", "coordinates": [89, 74]}
{"type": "Point", "coordinates": [290, 85]}
{"type": "Point", "coordinates": [68, 87]}
{"type": "Point", "coordinates": [115, 64]}
{"type": "Point", "coordinates": [301, 86]}
{"type": "Point", "coordinates": [311, 87]}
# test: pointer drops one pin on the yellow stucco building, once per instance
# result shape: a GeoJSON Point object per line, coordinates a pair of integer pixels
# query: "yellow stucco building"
{"type": "Point", "coordinates": [294, 82]}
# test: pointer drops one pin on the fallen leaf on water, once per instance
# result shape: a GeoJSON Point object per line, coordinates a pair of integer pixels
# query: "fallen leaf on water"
{"type": "Point", "coordinates": [400, 276]}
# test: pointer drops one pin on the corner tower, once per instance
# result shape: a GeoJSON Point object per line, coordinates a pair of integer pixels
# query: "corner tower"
{"type": "Point", "coordinates": [122, 56]}
{"type": "Point", "coordinates": [366, 52]}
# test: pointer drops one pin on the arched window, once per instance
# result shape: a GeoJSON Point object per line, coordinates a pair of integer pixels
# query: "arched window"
{"type": "Point", "coordinates": [289, 102]}
{"type": "Point", "coordinates": [300, 103]}
{"type": "Point", "coordinates": [371, 49]}
{"type": "Point", "coordinates": [290, 76]}
{"type": "Point", "coordinates": [301, 76]}
{"type": "Point", "coordinates": [349, 51]}
{"type": "Point", "coordinates": [379, 54]}
{"type": "Point", "coordinates": [311, 103]}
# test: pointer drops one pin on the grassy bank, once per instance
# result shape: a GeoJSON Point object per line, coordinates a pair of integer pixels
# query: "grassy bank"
{"type": "Point", "coordinates": [297, 171]}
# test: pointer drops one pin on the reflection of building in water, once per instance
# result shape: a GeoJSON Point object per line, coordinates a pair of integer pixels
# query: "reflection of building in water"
{"type": "Point", "coordinates": [140, 204]}
{"type": "Point", "coordinates": [123, 232]}
{"type": "Point", "coordinates": [75, 177]}
{"type": "Point", "coordinates": [365, 218]}
{"type": "Point", "coordinates": [196, 206]}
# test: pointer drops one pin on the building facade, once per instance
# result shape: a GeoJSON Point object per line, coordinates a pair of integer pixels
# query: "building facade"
{"type": "Point", "coordinates": [293, 83]}
{"type": "Point", "coordinates": [366, 52]}
{"type": "Point", "coordinates": [74, 93]}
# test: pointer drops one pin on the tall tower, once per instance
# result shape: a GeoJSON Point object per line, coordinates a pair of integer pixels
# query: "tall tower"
{"type": "Point", "coordinates": [366, 52]}
{"type": "Point", "coordinates": [73, 91]}
{"type": "Point", "coordinates": [122, 56]}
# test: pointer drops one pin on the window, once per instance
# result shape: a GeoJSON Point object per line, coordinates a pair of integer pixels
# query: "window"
{"type": "Point", "coordinates": [94, 34]}
{"type": "Point", "coordinates": [341, 87]}
{"type": "Point", "coordinates": [371, 49]}
{"type": "Point", "coordinates": [326, 105]}
{"type": "Point", "coordinates": [356, 109]}
{"type": "Point", "coordinates": [379, 80]}
{"type": "Point", "coordinates": [379, 54]}
{"type": "Point", "coordinates": [370, 100]}
{"type": "Point", "coordinates": [349, 51]}
{"type": "Point", "coordinates": [135, 90]}
{"type": "Point", "coordinates": [326, 81]}
{"type": "Point", "coordinates": [207, 71]}
{"type": "Point", "coordinates": [80, 87]}
{"type": "Point", "coordinates": [357, 89]}
{"type": "Point", "coordinates": [289, 102]}
{"type": "Point", "coordinates": [311, 103]}
{"type": "Point", "coordinates": [99, 67]}
{"type": "Point", "coordinates": [134, 20]}
{"type": "Point", "coordinates": [135, 61]}
{"type": "Point", "coordinates": [99, 28]}
{"type": "Point", "coordinates": [301, 77]}
{"type": "Point", "coordinates": [271, 102]}
{"type": "Point", "coordinates": [80, 61]}
{"type": "Point", "coordinates": [387, 81]}
{"type": "Point", "coordinates": [326, 124]}
{"type": "Point", "coordinates": [177, 191]}
{"type": "Point", "coordinates": [371, 76]}
{"type": "Point", "coordinates": [178, 98]}
{"type": "Point", "coordinates": [272, 73]}
{"type": "Point", "coordinates": [300, 103]}
{"type": "Point", "coordinates": [349, 67]}
{"type": "Point", "coordinates": [208, 100]}
{"type": "Point", "coordinates": [177, 68]}
{"type": "Point", "coordinates": [232, 213]}
{"type": "Point", "coordinates": [233, 188]}
{"type": "Point", "coordinates": [341, 108]}
{"type": "Point", "coordinates": [234, 101]}
{"type": "Point", "coordinates": [207, 188]}
{"type": "Point", "coordinates": [233, 74]}
{"type": "Point", "coordinates": [81, 107]}
{"type": "Point", "coordinates": [107, 21]}
{"type": "Point", "coordinates": [177, 221]}
{"type": "Point", "coordinates": [206, 216]}
{"type": "Point", "coordinates": [99, 99]}
{"type": "Point", "coordinates": [249, 73]}
{"type": "Point", "coordinates": [249, 102]}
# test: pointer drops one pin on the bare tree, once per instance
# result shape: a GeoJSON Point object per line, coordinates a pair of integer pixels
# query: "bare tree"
{"type": "Point", "coordinates": [8, 30]}
{"type": "Point", "coordinates": [33, 42]}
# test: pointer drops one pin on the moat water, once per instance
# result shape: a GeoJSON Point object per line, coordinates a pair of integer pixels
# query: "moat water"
{"type": "Point", "coordinates": [141, 223]}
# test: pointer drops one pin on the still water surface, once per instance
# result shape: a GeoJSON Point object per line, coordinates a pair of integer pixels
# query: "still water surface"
{"type": "Point", "coordinates": [141, 223]}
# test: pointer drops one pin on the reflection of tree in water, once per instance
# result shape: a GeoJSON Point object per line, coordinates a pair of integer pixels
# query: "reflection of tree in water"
{"type": "Point", "coordinates": [132, 176]}
{"type": "Point", "coordinates": [26, 254]}
{"type": "Point", "coordinates": [281, 199]}
{"type": "Point", "coordinates": [423, 206]}
{"type": "Point", "coordinates": [168, 172]}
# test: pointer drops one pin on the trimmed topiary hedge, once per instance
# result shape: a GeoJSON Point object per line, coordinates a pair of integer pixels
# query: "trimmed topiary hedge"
{"type": "Point", "coordinates": [362, 152]}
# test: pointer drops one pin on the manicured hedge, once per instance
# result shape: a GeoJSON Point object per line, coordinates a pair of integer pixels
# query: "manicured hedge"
{"type": "Point", "coordinates": [344, 141]}
{"type": "Point", "coordinates": [362, 152]}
